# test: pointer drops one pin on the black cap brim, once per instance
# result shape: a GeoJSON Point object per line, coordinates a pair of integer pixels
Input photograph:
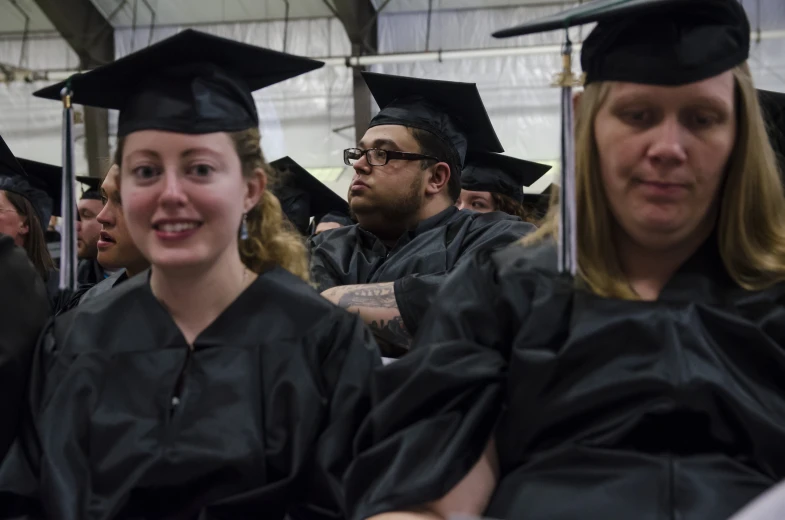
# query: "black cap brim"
{"type": "Point", "coordinates": [597, 11]}
{"type": "Point", "coordinates": [502, 174]}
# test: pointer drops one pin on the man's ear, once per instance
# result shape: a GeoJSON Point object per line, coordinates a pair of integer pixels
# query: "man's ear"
{"type": "Point", "coordinates": [438, 177]}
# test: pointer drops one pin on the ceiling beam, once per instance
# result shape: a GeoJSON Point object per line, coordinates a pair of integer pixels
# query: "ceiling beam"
{"type": "Point", "coordinates": [359, 20]}
{"type": "Point", "coordinates": [91, 37]}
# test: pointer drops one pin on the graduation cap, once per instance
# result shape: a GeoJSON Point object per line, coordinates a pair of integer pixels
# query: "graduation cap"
{"type": "Point", "coordinates": [93, 191]}
{"type": "Point", "coordinates": [653, 42]}
{"type": "Point", "coordinates": [500, 174]}
{"type": "Point", "coordinates": [452, 111]}
{"type": "Point", "coordinates": [37, 182]}
{"type": "Point", "coordinates": [190, 83]}
{"type": "Point", "coordinates": [303, 196]}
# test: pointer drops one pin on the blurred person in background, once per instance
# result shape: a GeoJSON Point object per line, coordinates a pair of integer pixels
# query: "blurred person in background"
{"type": "Point", "coordinates": [117, 252]}
{"type": "Point", "coordinates": [89, 270]}
{"type": "Point", "coordinates": [28, 197]}
{"type": "Point", "coordinates": [494, 182]}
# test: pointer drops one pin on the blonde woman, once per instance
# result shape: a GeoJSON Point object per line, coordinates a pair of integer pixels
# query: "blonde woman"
{"type": "Point", "coordinates": [651, 386]}
{"type": "Point", "coordinates": [221, 385]}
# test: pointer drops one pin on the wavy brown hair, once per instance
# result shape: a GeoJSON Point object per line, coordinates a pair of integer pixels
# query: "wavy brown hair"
{"type": "Point", "coordinates": [512, 207]}
{"type": "Point", "coordinates": [272, 240]}
{"type": "Point", "coordinates": [751, 222]}
{"type": "Point", "coordinates": [34, 240]}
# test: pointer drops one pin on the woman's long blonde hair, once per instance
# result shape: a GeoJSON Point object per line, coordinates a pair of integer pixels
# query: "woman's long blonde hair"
{"type": "Point", "coordinates": [751, 222]}
{"type": "Point", "coordinates": [272, 240]}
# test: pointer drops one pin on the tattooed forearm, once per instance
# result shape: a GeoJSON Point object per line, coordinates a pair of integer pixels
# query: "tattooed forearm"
{"type": "Point", "coordinates": [391, 335]}
{"type": "Point", "coordinates": [376, 295]}
{"type": "Point", "coordinates": [376, 305]}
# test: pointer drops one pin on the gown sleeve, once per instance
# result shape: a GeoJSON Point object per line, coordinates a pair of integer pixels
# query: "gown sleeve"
{"type": "Point", "coordinates": [415, 293]}
{"type": "Point", "coordinates": [19, 471]}
{"type": "Point", "coordinates": [322, 272]}
{"type": "Point", "coordinates": [434, 410]}
{"type": "Point", "coordinates": [345, 370]}
{"type": "Point", "coordinates": [24, 309]}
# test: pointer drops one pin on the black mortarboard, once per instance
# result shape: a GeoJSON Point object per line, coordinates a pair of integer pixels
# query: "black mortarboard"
{"type": "Point", "coordinates": [303, 196]}
{"type": "Point", "coordinates": [452, 111]}
{"type": "Point", "coordinates": [655, 42]}
{"type": "Point", "coordinates": [500, 174]}
{"type": "Point", "coordinates": [37, 182]}
{"type": "Point", "coordinates": [773, 107]}
{"type": "Point", "coordinates": [93, 191]}
{"type": "Point", "coordinates": [190, 83]}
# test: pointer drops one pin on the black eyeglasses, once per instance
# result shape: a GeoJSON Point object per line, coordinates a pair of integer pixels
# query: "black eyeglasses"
{"type": "Point", "coordinates": [379, 157]}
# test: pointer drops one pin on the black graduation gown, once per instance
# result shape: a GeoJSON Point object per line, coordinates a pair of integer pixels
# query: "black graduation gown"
{"type": "Point", "coordinates": [419, 261]}
{"type": "Point", "coordinates": [89, 271]}
{"type": "Point", "coordinates": [270, 399]}
{"type": "Point", "coordinates": [24, 309]}
{"type": "Point", "coordinates": [604, 408]}
{"type": "Point", "coordinates": [89, 291]}
{"type": "Point", "coordinates": [53, 289]}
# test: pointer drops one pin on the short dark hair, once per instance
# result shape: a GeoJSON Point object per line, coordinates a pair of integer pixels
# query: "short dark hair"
{"type": "Point", "coordinates": [432, 145]}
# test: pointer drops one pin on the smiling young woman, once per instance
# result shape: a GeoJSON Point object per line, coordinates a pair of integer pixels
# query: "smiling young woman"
{"type": "Point", "coordinates": [234, 386]}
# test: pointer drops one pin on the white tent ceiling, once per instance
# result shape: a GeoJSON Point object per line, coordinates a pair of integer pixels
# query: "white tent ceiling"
{"type": "Point", "coordinates": [311, 118]}
{"type": "Point", "coordinates": [14, 14]}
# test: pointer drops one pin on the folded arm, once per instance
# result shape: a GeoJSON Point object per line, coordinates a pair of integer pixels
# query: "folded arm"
{"type": "Point", "coordinates": [376, 305]}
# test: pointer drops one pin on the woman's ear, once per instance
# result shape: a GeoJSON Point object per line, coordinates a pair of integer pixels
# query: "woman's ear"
{"type": "Point", "coordinates": [255, 186]}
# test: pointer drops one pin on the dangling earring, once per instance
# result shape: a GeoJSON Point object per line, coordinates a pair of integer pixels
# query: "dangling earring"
{"type": "Point", "coordinates": [244, 228]}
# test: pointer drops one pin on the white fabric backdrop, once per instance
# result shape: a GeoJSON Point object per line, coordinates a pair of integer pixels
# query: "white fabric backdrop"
{"type": "Point", "coordinates": [299, 116]}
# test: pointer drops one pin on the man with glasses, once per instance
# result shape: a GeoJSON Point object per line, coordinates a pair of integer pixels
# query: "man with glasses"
{"type": "Point", "coordinates": [409, 234]}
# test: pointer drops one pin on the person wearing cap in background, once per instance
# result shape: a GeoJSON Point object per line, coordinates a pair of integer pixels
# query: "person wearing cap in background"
{"type": "Point", "coordinates": [89, 270]}
{"type": "Point", "coordinates": [303, 196]}
{"type": "Point", "coordinates": [235, 387]}
{"type": "Point", "coordinates": [409, 234]}
{"type": "Point", "coordinates": [116, 250]}
{"type": "Point", "coordinates": [494, 182]}
{"type": "Point", "coordinates": [652, 383]}
{"type": "Point", "coordinates": [29, 195]}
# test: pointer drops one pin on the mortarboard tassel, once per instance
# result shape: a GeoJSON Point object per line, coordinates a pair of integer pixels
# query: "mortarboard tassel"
{"type": "Point", "coordinates": [68, 245]}
{"type": "Point", "coordinates": [567, 243]}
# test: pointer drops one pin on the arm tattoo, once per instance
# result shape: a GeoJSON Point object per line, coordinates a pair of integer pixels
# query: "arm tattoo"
{"type": "Point", "coordinates": [393, 338]}
{"type": "Point", "coordinates": [376, 297]}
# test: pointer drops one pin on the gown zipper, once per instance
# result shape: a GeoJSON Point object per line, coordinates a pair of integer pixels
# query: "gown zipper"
{"type": "Point", "coordinates": [177, 395]}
